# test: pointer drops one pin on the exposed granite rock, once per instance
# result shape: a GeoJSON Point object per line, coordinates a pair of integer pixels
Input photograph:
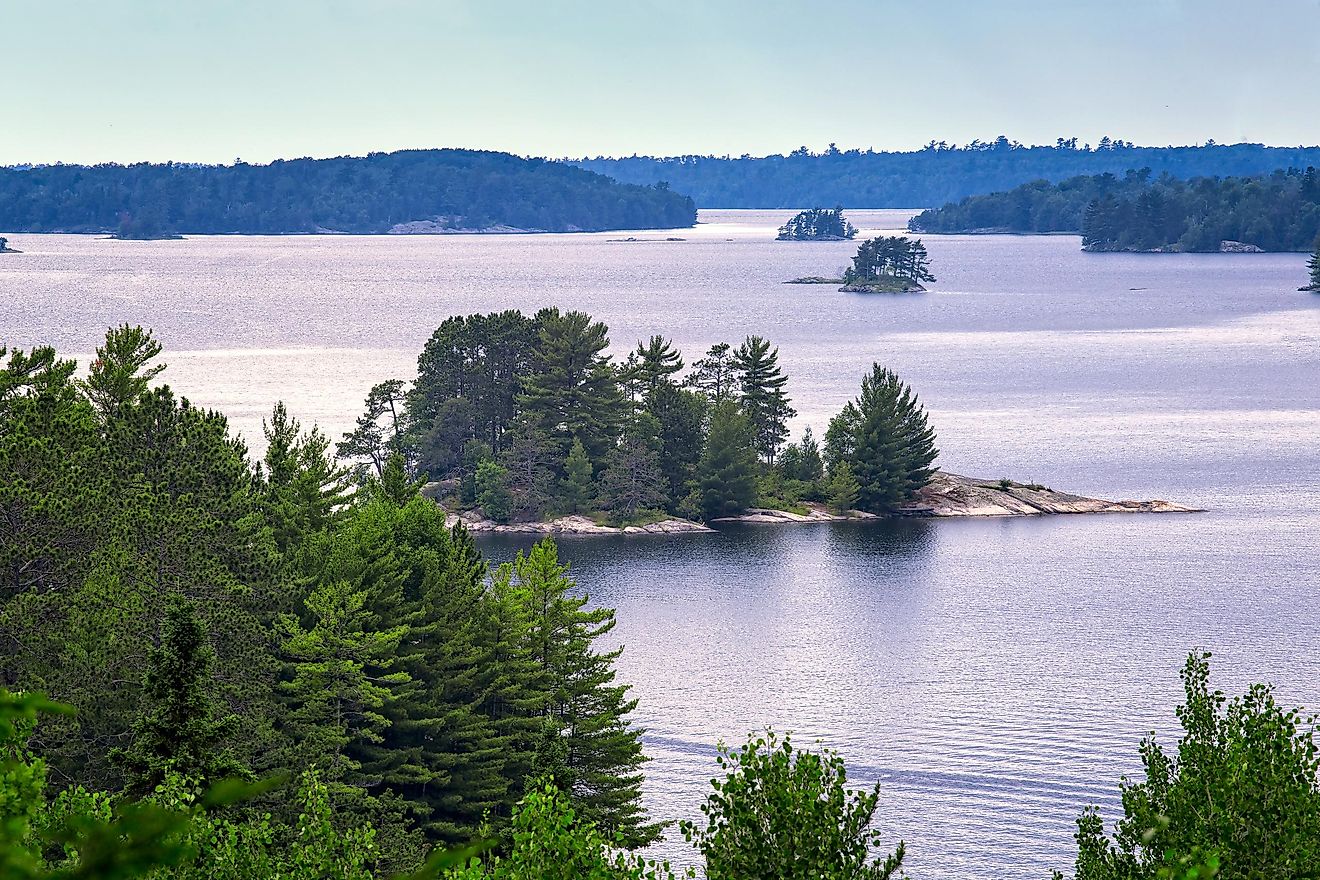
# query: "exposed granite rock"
{"type": "Point", "coordinates": [1239, 247]}
{"type": "Point", "coordinates": [954, 495]}
{"type": "Point", "coordinates": [815, 513]}
{"type": "Point", "coordinates": [573, 525]}
{"type": "Point", "coordinates": [887, 286]}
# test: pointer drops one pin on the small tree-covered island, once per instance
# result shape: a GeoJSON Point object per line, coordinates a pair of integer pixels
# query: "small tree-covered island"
{"type": "Point", "coordinates": [526, 423]}
{"type": "Point", "coordinates": [817, 224]}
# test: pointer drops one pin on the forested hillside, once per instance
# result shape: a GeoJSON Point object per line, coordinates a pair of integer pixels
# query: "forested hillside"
{"type": "Point", "coordinates": [464, 189]}
{"type": "Point", "coordinates": [1277, 212]}
{"type": "Point", "coordinates": [933, 175]}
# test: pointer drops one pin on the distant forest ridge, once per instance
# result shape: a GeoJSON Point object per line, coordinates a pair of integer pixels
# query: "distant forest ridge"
{"type": "Point", "coordinates": [1136, 212]}
{"type": "Point", "coordinates": [934, 175]}
{"type": "Point", "coordinates": [410, 190]}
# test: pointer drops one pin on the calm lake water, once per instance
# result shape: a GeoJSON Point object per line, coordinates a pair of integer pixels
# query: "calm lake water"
{"type": "Point", "coordinates": [995, 676]}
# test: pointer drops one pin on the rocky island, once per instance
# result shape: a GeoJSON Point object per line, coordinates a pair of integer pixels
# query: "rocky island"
{"type": "Point", "coordinates": [945, 496]}
{"type": "Point", "coordinates": [5, 248]}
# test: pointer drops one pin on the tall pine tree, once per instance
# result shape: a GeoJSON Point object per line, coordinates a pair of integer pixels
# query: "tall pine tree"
{"type": "Point", "coordinates": [763, 399]}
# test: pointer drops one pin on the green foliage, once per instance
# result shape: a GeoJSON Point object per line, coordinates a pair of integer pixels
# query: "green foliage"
{"type": "Point", "coordinates": [817, 224]}
{"type": "Point", "coordinates": [716, 375]}
{"type": "Point", "coordinates": [380, 431]}
{"type": "Point", "coordinates": [786, 814]}
{"type": "Point", "coordinates": [763, 399]}
{"type": "Point", "coordinates": [889, 257]}
{"type": "Point", "coordinates": [1313, 265]}
{"type": "Point", "coordinates": [119, 374]}
{"type": "Point", "coordinates": [1135, 212]}
{"type": "Point", "coordinates": [884, 439]}
{"type": "Point", "coordinates": [493, 491]}
{"type": "Point", "coordinates": [726, 482]}
{"type": "Point", "coordinates": [657, 363]}
{"type": "Point", "coordinates": [940, 172]}
{"type": "Point", "coordinates": [578, 489]}
{"type": "Point", "coordinates": [631, 480]}
{"type": "Point", "coordinates": [459, 189]}
{"type": "Point", "coordinates": [842, 490]}
{"type": "Point", "coordinates": [1241, 795]}
{"type": "Point", "coordinates": [179, 730]}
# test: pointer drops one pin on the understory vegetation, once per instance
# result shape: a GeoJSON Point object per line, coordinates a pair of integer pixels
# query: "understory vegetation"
{"type": "Point", "coordinates": [1275, 212]}
{"type": "Point", "coordinates": [527, 418]}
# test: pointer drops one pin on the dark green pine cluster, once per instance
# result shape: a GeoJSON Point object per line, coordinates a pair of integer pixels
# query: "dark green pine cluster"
{"type": "Point", "coordinates": [208, 619]}
{"type": "Point", "coordinates": [889, 257]}
{"type": "Point", "coordinates": [529, 418]}
{"type": "Point", "coordinates": [817, 224]}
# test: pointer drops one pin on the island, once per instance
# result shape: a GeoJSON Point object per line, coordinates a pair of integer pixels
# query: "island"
{"type": "Point", "coordinates": [888, 264]}
{"type": "Point", "coordinates": [528, 425]}
{"type": "Point", "coordinates": [1313, 265]}
{"type": "Point", "coordinates": [5, 248]}
{"type": "Point", "coordinates": [404, 192]}
{"type": "Point", "coordinates": [144, 228]}
{"type": "Point", "coordinates": [1279, 212]}
{"type": "Point", "coordinates": [817, 224]}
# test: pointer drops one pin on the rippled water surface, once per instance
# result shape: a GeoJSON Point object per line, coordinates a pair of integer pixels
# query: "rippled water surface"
{"type": "Point", "coordinates": [995, 676]}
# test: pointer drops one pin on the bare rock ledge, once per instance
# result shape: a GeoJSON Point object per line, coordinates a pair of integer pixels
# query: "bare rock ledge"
{"type": "Point", "coordinates": [947, 495]}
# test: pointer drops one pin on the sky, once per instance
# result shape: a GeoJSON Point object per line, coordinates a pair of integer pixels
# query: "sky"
{"type": "Point", "coordinates": [219, 80]}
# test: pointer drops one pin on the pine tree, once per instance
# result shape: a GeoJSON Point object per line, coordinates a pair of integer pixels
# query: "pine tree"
{"type": "Point", "coordinates": [842, 489]}
{"type": "Point", "coordinates": [305, 490]}
{"type": "Point", "coordinates": [885, 440]}
{"type": "Point", "coordinates": [529, 460]}
{"type": "Point", "coordinates": [680, 417]}
{"type": "Point", "coordinates": [631, 480]}
{"type": "Point", "coordinates": [340, 683]}
{"type": "Point", "coordinates": [763, 399]}
{"type": "Point", "coordinates": [119, 374]}
{"type": "Point", "coordinates": [657, 363]}
{"type": "Point", "coordinates": [572, 391]}
{"type": "Point", "coordinates": [179, 729]}
{"type": "Point", "coordinates": [380, 432]}
{"type": "Point", "coordinates": [578, 486]}
{"type": "Point", "coordinates": [716, 375]}
{"type": "Point", "coordinates": [588, 740]}
{"type": "Point", "coordinates": [726, 480]}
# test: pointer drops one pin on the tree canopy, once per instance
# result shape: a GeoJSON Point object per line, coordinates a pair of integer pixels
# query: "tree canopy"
{"type": "Point", "coordinates": [817, 224]}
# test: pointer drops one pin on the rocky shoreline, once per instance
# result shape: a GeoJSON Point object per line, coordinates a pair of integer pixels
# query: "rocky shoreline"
{"type": "Point", "coordinates": [947, 495]}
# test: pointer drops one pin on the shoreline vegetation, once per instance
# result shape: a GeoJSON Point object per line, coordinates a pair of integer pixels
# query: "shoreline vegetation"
{"type": "Point", "coordinates": [409, 191]}
{"type": "Point", "coordinates": [1136, 213]}
{"type": "Point", "coordinates": [888, 264]}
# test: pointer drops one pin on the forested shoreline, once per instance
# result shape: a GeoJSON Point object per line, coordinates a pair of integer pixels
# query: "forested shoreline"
{"type": "Point", "coordinates": [1138, 212]}
{"type": "Point", "coordinates": [934, 175]}
{"type": "Point", "coordinates": [410, 190]}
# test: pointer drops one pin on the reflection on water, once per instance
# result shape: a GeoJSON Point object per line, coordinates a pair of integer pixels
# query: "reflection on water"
{"type": "Point", "coordinates": [996, 676]}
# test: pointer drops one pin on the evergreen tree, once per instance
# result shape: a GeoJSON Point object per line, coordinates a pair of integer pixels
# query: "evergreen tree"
{"type": "Point", "coordinates": [305, 490]}
{"type": "Point", "coordinates": [843, 489]}
{"type": "Point", "coordinates": [492, 489]}
{"type": "Point", "coordinates": [572, 391]}
{"type": "Point", "coordinates": [884, 439]}
{"type": "Point", "coordinates": [657, 363]}
{"type": "Point", "coordinates": [528, 459]}
{"type": "Point", "coordinates": [179, 729]}
{"type": "Point", "coordinates": [1314, 265]}
{"type": "Point", "coordinates": [811, 467]}
{"type": "Point", "coordinates": [716, 375]}
{"type": "Point", "coordinates": [598, 755]}
{"type": "Point", "coordinates": [380, 431]}
{"type": "Point", "coordinates": [631, 480]}
{"type": "Point", "coordinates": [763, 399]}
{"type": "Point", "coordinates": [578, 485]}
{"type": "Point", "coordinates": [119, 374]}
{"type": "Point", "coordinates": [680, 417]}
{"type": "Point", "coordinates": [727, 473]}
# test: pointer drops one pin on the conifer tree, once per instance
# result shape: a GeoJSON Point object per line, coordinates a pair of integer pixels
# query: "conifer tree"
{"type": "Point", "coordinates": [1314, 265]}
{"type": "Point", "coordinates": [305, 490]}
{"type": "Point", "coordinates": [885, 440]}
{"type": "Point", "coordinates": [578, 486]}
{"type": "Point", "coordinates": [716, 375]}
{"type": "Point", "coordinates": [587, 739]}
{"type": "Point", "coordinates": [763, 399]}
{"type": "Point", "coordinates": [680, 416]}
{"type": "Point", "coordinates": [726, 480]}
{"type": "Point", "coordinates": [842, 489]}
{"type": "Point", "coordinates": [119, 374]}
{"type": "Point", "coordinates": [572, 391]}
{"type": "Point", "coordinates": [631, 480]}
{"type": "Point", "coordinates": [657, 363]}
{"type": "Point", "coordinates": [529, 461]}
{"type": "Point", "coordinates": [179, 730]}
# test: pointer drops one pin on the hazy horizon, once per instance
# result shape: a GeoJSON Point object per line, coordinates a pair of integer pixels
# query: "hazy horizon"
{"type": "Point", "coordinates": [208, 83]}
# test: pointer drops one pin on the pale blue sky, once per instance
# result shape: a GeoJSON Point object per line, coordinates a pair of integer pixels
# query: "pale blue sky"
{"type": "Point", "coordinates": [125, 80]}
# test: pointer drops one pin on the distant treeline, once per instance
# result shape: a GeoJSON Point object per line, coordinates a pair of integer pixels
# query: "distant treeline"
{"type": "Point", "coordinates": [456, 188]}
{"type": "Point", "coordinates": [933, 175]}
{"type": "Point", "coordinates": [1278, 212]}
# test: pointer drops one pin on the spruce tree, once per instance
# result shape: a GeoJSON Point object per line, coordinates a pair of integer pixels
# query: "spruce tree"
{"type": "Point", "coordinates": [885, 440]}
{"type": "Point", "coordinates": [763, 399]}
{"type": "Point", "coordinates": [578, 486]}
{"type": "Point", "coordinates": [726, 481]}
{"type": "Point", "coordinates": [587, 742]}
{"type": "Point", "coordinates": [180, 729]}
{"type": "Point", "coordinates": [1314, 265]}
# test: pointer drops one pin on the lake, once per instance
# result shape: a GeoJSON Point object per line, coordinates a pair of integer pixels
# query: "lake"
{"type": "Point", "coordinates": [995, 676]}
